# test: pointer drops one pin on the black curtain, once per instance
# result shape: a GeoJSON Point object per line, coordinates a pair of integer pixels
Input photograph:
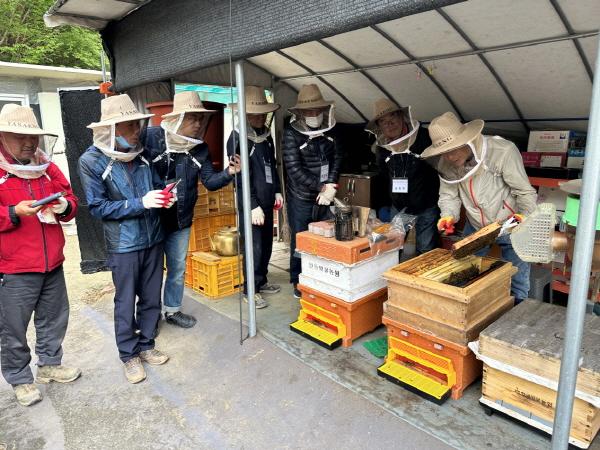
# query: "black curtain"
{"type": "Point", "coordinates": [80, 108]}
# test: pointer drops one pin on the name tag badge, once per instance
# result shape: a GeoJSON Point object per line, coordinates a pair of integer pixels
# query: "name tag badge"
{"type": "Point", "coordinates": [268, 174]}
{"type": "Point", "coordinates": [400, 185]}
{"type": "Point", "coordinates": [324, 173]}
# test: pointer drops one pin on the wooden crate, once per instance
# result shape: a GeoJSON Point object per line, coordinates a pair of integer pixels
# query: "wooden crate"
{"type": "Point", "coordinates": [466, 366]}
{"type": "Point", "coordinates": [458, 307]}
{"type": "Point", "coordinates": [359, 317]}
{"type": "Point", "coordinates": [216, 276]}
{"type": "Point", "coordinates": [442, 330]}
{"type": "Point", "coordinates": [531, 337]}
{"type": "Point", "coordinates": [221, 201]}
{"type": "Point", "coordinates": [347, 252]}
{"type": "Point", "coordinates": [534, 404]}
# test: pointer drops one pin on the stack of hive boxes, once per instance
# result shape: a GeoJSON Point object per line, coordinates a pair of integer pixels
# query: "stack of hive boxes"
{"type": "Point", "coordinates": [342, 288]}
{"type": "Point", "coordinates": [522, 354]}
{"type": "Point", "coordinates": [430, 322]}
{"type": "Point", "coordinates": [213, 210]}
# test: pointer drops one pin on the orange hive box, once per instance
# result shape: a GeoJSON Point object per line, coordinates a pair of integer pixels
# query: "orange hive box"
{"type": "Point", "coordinates": [358, 317]}
{"type": "Point", "coordinates": [464, 368]}
{"type": "Point", "coordinates": [347, 252]}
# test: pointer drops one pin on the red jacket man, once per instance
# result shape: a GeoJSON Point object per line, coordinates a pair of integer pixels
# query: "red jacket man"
{"type": "Point", "coordinates": [31, 255]}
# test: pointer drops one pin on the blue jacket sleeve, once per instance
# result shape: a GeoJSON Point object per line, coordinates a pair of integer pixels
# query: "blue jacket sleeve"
{"type": "Point", "coordinates": [211, 179]}
{"type": "Point", "coordinates": [98, 202]}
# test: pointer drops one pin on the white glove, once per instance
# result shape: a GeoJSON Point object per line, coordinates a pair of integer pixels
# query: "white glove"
{"type": "Point", "coordinates": [258, 216]}
{"type": "Point", "coordinates": [327, 194]}
{"type": "Point", "coordinates": [171, 201]}
{"type": "Point", "coordinates": [278, 202]}
{"type": "Point", "coordinates": [61, 206]}
{"type": "Point", "coordinates": [153, 199]}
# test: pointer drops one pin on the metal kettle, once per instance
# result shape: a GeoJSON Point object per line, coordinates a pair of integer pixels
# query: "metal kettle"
{"type": "Point", "coordinates": [225, 241]}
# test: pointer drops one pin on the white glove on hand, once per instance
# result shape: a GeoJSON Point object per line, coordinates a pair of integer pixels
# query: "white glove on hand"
{"type": "Point", "coordinates": [278, 202]}
{"type": "Point", "coordinates": [258, 216]}
{"type": "Point", "coordinates": [61, 206]}
{"type": "Point", "coordinates": [327, 194]}
{"type": "Point", "coordinates": [153, 199]}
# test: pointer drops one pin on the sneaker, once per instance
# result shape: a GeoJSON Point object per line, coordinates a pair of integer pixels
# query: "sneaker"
{"type": "Point", "coordinates": [134, 371]}
{"type": "Point", "coordinates": [297, 293]}
{"type": "Point", "coordinates": [60, 374]}
{"type": "Point", "coordinates": [153, 357]}
{"type": "Point", "coordinates": [180, 319]}
{"type": "Point", "coordinates": [269, 289]}
{"type": "Point", "coordinates": [27, 394]}
{"type": "Point", "coordinates": [259, 301]}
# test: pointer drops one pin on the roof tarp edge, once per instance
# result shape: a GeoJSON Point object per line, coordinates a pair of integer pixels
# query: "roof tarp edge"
{"type": "Point", "coordinates": [189, 35]}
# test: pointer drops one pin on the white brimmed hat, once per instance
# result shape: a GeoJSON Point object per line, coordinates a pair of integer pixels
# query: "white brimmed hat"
{"type": "Point", "coordinates": [447, 133]}
{"type": "Point", "coordinates": [382, 107]}
{"type": "Point", "coordinates": [187, 102]}
{"type": "Point", "coordinates": [117, 109]}
{"type": "Point", "coordinates": [310, 97]}
{"type": "Point", "coordinates": [19, 119]}
{"type": "Point", "coordinates": [256, 101]}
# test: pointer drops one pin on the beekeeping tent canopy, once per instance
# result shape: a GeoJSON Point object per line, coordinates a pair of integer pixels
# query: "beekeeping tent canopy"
{"type": "Point", "coordinates": [519, 65]}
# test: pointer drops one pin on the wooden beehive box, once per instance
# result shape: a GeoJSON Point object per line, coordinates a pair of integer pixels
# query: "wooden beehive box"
{"type": "Point", "coordinates": [530, 338]}
{"type": "Point", "coordinates": [459, 308]}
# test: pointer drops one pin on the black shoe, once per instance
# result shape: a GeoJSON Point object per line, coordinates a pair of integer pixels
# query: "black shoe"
{"type": "Point", "coordinates": [180, 319]}
{"type": "Point", "coordinates": [297, 293]}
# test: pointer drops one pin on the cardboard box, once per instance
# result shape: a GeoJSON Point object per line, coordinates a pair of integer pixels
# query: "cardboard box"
{"type": "Point", "coordinates": [555, 141]}
{"type": "Point", "coordinates": [575, 162]}
{"type": "Point", "coordinates": [555, 159]}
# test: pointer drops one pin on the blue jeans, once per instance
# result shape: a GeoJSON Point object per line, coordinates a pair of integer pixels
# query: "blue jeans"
{"type": "Point", "coordinates": [519, 286]}
{"type": "Point", "coordinates": [428, 236]}
{"type": "Point", "coordinates": [176, 245]}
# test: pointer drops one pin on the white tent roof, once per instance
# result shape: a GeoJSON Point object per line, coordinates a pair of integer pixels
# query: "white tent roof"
{"type": "Point", "coordinates": [517, 64]}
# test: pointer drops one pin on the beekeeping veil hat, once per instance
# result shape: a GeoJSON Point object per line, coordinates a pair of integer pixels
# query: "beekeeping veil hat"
{"type": "Point", "coordinates": [310, 97]}
{"type": "Point", "coordinates": [257, 103]}
{"type": "Point", "coordinates": [184, 102]}
{"type": "Point", "coordinates": [400, 144]}
{"type": "Point", "coordinates": [17, 119]}
{"type": "Point", "coordinates": [116, 109]}
{"type": "Point", "coordinates": [447, 134]}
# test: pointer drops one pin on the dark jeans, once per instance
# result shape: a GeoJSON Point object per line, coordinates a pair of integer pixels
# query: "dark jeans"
{"type": "Point", "coordinates": [300, 214]}
{"type": "Point", "coordinates": [136, 274]}
{"type": "Point", "coordinates": [20, 296]}
{"type": "Point", "coordinates": [428, 236]}
{"type": "Point", "coordinates": [519, 286]}
{"type": "Point", "coordinates": [262, 247]}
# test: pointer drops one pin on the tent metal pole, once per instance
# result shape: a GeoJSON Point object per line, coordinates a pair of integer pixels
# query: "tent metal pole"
{"type": "Point", "coordinates": [246, 205]}
{"type": "Point", "coordinates": [580, 278]}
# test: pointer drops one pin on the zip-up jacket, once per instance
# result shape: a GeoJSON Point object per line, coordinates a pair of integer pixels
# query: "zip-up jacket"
{"type": "Point", "coordinates": [305, 158]}
{"type": "Point", "coordinates": [26, 244]}
{"type": "Point", "coordinates": [499, 188]}
{"type": "Point", "coordinates": [189, 168]}
{"type": "Point", "coordinates": [261, 159]}
{"type": "Point", "coordinates": [115, 197]}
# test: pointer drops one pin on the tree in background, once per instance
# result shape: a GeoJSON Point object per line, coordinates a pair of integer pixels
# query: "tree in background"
{"type": "Point", "coordinates": [25, 39]}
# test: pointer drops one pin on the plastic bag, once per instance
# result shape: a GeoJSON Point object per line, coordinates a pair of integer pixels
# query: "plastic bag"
{"type": "Point", "coordinates": [404, 222]}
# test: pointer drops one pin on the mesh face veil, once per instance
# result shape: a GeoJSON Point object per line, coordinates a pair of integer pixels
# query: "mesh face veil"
{"type": "Point", "coordinates": [177, 142]}
{"type": "Point", "coordinates": [105, 140]}
{"type": "Point", "coordinates": [453, 175]}
{"type": "Point", "coordinates": [32, 168]}
{"type": "Point", "coordinates": [298, 121]}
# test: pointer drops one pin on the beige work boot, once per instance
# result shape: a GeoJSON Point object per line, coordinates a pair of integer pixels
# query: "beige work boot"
{"type": "Point", "coordinates": [134, 371]}
{"type": "Point", "coordinates": [60, 374]}
{"type": "Point", "coordinates": [27, 394]}
{"type": "Point", "coordinates": [153, 357]}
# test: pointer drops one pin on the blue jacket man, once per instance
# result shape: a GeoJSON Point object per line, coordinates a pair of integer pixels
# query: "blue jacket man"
{"type": "Point", "coordinates": [178, 154]}
{"type": "Point", "coordinates": [122, 191]}
{"type": "Point", "coordinates": [265, 187]}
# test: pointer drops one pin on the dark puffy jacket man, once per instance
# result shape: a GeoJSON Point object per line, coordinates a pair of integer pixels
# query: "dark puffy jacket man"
{"type": "Point", "coordinates": [178, 154]}
{"type": "Point", "coordinates": [31, 256]}
{"type": "Point", "coordinates": [265, 187]}
{"type": "Point", "coordinates": [123, 191]}
{"type": "Point", "coordinates": [312, 162]}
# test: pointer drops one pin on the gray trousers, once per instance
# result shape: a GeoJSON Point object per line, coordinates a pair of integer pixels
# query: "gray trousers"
{"type": "Point", "coordinates": [21, 295]}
